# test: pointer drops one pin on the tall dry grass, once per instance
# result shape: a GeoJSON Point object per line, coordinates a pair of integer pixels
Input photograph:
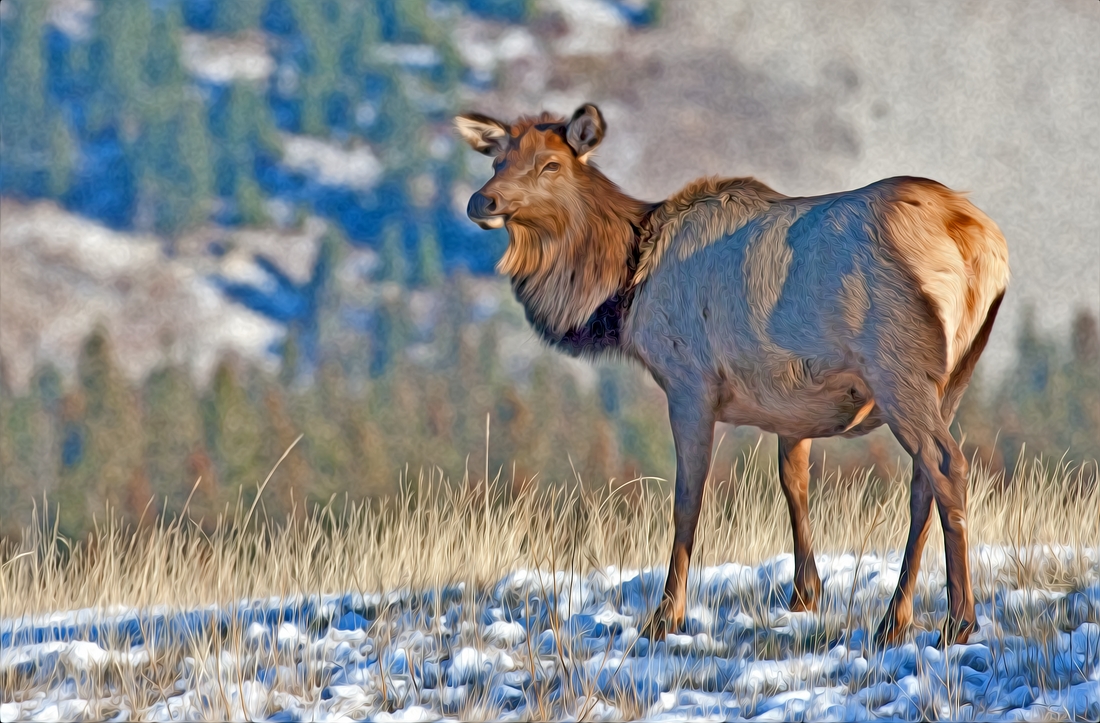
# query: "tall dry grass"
{"type": "Point", "coordinates": [436, 533]}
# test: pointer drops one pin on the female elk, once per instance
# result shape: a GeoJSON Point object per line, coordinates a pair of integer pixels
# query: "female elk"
{"type": "Point", "coordinates": [806, 317]}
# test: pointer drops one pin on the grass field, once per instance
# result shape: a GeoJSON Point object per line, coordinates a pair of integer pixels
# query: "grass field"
{"type": "Point", "coordinates": [525, 604]}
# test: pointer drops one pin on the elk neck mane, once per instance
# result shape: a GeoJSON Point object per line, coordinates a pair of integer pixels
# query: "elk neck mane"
{"type": "Point", "coordinates": [569, 269]}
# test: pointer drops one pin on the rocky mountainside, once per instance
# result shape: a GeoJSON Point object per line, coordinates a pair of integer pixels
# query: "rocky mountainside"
{"type": "Point", "coordinates": [1002, 101]}
{"type": "Point", "coordinates": [61, 274]}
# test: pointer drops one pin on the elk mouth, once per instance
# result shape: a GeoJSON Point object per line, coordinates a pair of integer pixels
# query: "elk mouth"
{"type": "Point", "coordinates": [489, 222]}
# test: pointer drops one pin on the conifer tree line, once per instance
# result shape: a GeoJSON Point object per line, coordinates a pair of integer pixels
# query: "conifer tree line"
{"type": "Point", "coordinates": [100, 440]}
{"type": "Point", "coordinates": [368, 420]}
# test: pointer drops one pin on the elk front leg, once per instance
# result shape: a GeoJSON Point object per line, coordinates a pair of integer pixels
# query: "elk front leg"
{"type": "Point", "coordinates": [692, 423]}
{"type": "Point", "coordinates": [794, 476]}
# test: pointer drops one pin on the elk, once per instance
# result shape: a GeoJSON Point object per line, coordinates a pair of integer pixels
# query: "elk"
{"type": "Point", "coordinates": [806, 317]}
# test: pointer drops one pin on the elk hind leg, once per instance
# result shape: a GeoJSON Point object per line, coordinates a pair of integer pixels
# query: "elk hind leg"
{"type": "Point", "coordinates": [949, 476]}
{"type": "Point", "coordinates": [938, 463]}
{"type": "Point", "coordinates": [900, 612]}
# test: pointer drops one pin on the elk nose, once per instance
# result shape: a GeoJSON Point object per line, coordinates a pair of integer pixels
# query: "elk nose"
{"type": "Point", "coordinates": [480, 208]}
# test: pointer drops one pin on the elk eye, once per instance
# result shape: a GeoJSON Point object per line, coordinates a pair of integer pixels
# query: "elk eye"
{"type": "Point", "coordinates": [551, 167]}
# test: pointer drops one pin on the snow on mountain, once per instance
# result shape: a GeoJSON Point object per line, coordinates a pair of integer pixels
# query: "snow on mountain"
{"type": "Point", "coordinates": [225, 60]}
{"type": "Point", "coordinates": [61, 274]}
{"type": "Point", "coordinates": [332, 164]}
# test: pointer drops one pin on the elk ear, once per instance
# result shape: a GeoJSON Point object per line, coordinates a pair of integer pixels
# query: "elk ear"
{"type": "Point", "coordinates": [585, 130]}
{"type": "Point", "coordinates": [484, 134]}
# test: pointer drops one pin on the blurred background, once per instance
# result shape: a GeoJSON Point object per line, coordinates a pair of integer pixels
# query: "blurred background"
{"type": "Point", "coordinates": [225, 223]}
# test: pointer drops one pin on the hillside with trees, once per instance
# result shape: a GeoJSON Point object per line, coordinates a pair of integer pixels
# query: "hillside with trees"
{"type": "Point", "coordinates": [185, 119]}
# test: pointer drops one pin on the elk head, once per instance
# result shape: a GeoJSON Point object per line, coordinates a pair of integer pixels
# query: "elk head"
{"type": "Point", "coordinates": [541, 172]}
{"type": "Point", "coordinates": [571, 230]}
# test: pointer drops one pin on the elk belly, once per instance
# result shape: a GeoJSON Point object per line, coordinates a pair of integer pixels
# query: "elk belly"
{"type": "Point", "coordinates": [834, 403]}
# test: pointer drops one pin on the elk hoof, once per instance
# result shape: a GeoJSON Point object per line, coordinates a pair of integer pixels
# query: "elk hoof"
{"type": "Point", "coordinates": [803, 600]}
{"type": "Point", "coordinates": [890, 631]}
{"type": "Point", "coordinates": [662, 622]}
{"type": "Point", "coordinates": [957, 632]}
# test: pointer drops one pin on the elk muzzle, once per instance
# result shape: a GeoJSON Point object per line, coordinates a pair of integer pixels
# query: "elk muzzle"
{"type": "Point", "coordinates": [482, 210]}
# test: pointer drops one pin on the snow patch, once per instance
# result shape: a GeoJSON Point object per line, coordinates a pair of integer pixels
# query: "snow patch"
{"type": "Point", "coordinates": [354, 166]}
{"type": "Point", "coordinates": [742, 654]}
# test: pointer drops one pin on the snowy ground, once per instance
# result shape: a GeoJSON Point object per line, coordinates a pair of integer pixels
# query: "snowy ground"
{"type": "Point", "coordinates": [538, 646]}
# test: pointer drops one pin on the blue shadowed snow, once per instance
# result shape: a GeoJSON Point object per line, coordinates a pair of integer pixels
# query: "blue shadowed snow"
{"type": "Point", "coordinates": [412, 654]}
{"type": "Point", "coordinates": [352, 621]}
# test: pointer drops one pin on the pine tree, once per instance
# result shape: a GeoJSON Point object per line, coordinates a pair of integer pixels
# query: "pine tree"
{"type": "Point", "coordinates": [322, 25]}
{"type": "Point", "coordinates": [546, 408]}
{"type": "Point", "coordinates": [415, 25]}
{"type": "Point", "coordinates": [359, 45]}
{"type": "Point", "coordinates": [335, 339]}
{"type": "Point", "coordinates": [295, 477]}
{"type": "Point", "coordinates": [291, 355]}
{"type": "Point", "coordinates": [29, 130]}
{"type": "Point", "coordinates": [248, 128]}
{"type": "Point", "coordinates": [141, 89]}
{"type": "Point", "coordinates": [404, 419]}
{"type": "Point", "coordinates": [196, 179]}
{"type": "Point", "coordinates": [1082, 400]}
{"type": "Point", "coordinates": [126, 27]}
{"type": "Point", "coordinates": [601, 461]}
{"type": "Point", "coordinates": [235, 16]}
{"type": "Point", "coordinates": [393, 254]}
{"type": "Point", "coordinates": [473, 398]}
{"type": "Point", "coordinates": [161, 67]}
{"type": "Point", "coordinates": [645, 438]}
{"type": "Point", "coordinates": [429, 259]}
{"type": "Point", "coordinates": [489, 354]}
{"type": "Point", "coordinates": [374, 468]}
{"type": "Point", "coordinates": [172, 151]}
{"type": "Point", "coordinates": [119, 49]}
{"type": "Point", "coordinates": [62, 154]}
{"type": "Point", "coordinates": [454, 314]}
{"type": "Point", "coordinates": [457, 364]}
{"type": "Point", "coordinates": [29, 454]}
{"type": "Point", "coordinates": [323, 413]}
{"type": "Point", "coordinates": [235, 430]}
{"type": "Point", "coordinates": [174, 433]}
{"type": "Point", "coordinates": [109, 469]}
{"type": "Point", "coordinates": [440, 414]}
{"type": "Point", "coordinates": [1023, 404]}
{"type": "Point", "coordinates": [518, 431]}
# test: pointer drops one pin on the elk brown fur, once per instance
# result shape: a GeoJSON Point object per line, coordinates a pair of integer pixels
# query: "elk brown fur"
{"type": "Point", "coordinates": [807, 317]}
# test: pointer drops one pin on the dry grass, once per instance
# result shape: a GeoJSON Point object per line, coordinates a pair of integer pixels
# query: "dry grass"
{"type": "Point", "coordinates": [436, 533]}
{"type": "Point", "coordinates": [438, 536]}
